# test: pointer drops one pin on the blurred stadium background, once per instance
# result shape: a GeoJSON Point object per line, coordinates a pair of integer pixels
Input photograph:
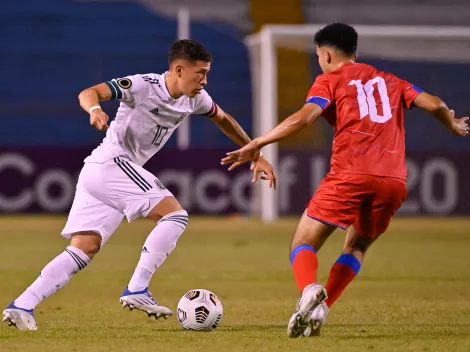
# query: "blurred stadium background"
{"type": "Point", "coordinates": [53, 49]}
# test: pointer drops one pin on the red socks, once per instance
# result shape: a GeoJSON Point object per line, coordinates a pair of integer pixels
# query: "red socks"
{"type": "Point", "coordinates": [304, 263]}
{"type": "Point", "coordinates": [341, 274]}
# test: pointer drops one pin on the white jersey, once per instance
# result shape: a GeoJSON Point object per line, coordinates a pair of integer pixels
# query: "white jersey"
{"type": "Point", "coordinates": [146, 118]}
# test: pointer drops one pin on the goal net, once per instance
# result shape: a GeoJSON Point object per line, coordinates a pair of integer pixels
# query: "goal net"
{"type": "Point", "coordinates": [280, 89]}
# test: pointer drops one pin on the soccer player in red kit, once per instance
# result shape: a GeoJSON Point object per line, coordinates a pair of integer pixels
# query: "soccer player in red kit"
{"type": "Point", "coordinates": [367, 181]}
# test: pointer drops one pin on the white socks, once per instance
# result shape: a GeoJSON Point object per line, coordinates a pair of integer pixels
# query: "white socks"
{"type": "Point", "coordinates": [54, 276]}
{"type": "Point", "coordinates": [159, 244]}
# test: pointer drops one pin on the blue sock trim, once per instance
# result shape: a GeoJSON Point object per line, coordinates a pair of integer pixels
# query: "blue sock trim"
{"type": "Point", "coordinates": [127, 292]}
{"type": "Point", "coordinates": [13, 306]}
{"type": "Point", "coordinates": [349, 260]}
{"type": "Point", "coordinates": [301, 247]}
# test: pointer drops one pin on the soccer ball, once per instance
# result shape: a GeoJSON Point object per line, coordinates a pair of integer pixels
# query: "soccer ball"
{"type": "Point", "coordinates": [199, 310]}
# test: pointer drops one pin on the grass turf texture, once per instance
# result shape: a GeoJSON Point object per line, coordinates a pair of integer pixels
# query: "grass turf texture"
{"type": "Point", "coordinates": [412, 293]}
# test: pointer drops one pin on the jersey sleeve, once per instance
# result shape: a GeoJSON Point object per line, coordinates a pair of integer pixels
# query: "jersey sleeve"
{"type": "Point", "coordinates": [410, 92]}
{"type": "Point", "coordinates": [321, 93]}
{"type": "Point", "coordinates": [205, 105]}
{"type": "Point", "coordinates": [130, 89]}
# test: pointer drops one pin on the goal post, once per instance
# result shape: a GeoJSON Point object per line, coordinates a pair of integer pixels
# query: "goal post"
{"type": "Point", "coordinates": [409, 43]}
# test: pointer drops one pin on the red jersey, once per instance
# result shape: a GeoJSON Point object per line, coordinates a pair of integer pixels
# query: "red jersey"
{"type": "Point", "coordinates": [365, 107]}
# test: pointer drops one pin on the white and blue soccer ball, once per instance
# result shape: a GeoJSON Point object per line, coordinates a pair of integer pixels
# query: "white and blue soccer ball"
{"type": "Point", "coordinates": [200, 310]}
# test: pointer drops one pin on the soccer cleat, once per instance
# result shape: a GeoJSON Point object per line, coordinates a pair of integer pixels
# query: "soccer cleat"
{"type": "Point", "coordinates": [22, 319]}
{"type": "Point", "coordinates": [317, 320]}
{"type": "Point", "coordinates": [143, 300]}
{"type": "Point", "coordinates": [312, 296]}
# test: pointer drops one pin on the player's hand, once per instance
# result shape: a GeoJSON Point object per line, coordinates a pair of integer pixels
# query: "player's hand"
{"type": "Point", "coordinates": [99, 120]}
{"type": "Point", "coordinates": [242, 155]}
{"type": "Point", "coordinates": [264, 166]}
{"type": "Point", "coordinates": [459, 126]}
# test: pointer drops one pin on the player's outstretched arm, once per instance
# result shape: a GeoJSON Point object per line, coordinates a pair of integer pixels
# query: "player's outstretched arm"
{"type": "Point", "coordinates": [89, 100]}
{"type": "Point", "coordinates": [287, 128]}
{"type": "Point", "coordinates": [237, 134]}
{"type": "Point", "coordinates": [230, 127]}
{"type": "Point", "coordinates": [291, 125]}
{"type": "Point", "coordinates": [442, 113]}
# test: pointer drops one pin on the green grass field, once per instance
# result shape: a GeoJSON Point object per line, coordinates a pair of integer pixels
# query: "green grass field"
{"type": "Point", "coordinates": [411, 295]}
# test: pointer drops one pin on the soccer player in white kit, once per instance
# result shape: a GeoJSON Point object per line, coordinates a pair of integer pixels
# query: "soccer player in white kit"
{"type": "Point", "coordinates": [113, 183]}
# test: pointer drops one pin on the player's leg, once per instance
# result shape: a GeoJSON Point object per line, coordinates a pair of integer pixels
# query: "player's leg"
{"type": "Point", "coordinates": [347, 266]}
{"type": "Point", "coordinates": [171, 220]}
{"type": "Point", "coordinates": [59, 270]}
{"type": "Point", "coordinates": [343, 271]}
{"type": "Point", "coordinates": [327, 210]}
{"type": "Point", "coordinates": [341, 274]}
{"type": "Point", "coordinates": [143, 195]}
{"type": "Point", "coordinates": [89, 225]}
{"type": "Point", "coordinates": [372, 221]}
{"type": "Point", "coordinates": [308, 238]}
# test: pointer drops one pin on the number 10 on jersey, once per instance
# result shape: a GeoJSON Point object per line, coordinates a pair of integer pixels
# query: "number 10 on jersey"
{"type": "Point", "coordinates": [159, 135]}
{"type": "Point", "coordinates": [366, 100]}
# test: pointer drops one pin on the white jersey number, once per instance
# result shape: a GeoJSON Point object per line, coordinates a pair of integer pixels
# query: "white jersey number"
{"type": "Point", "coordinates": [366, 100]}
{"type": "Point", "coordinates": [161, 133]}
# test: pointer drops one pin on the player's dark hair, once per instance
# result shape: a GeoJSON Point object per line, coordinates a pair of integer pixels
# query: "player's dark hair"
{"type": "Point", "coordinates": [190, 50]}
{"type": "Point", "coordinates": [338, 35]}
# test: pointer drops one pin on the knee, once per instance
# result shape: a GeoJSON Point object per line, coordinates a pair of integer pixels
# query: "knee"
{"type": "Point", "coordinates": [179, 217]}
{"type": "Point", "coordinates": [182, 213]}
{"type": "Point", "coordinates": [311, 232]}
{"type": "Point", "coordinates": [185, 215]}
{"type": "Point", "coordinates": [88, 242]}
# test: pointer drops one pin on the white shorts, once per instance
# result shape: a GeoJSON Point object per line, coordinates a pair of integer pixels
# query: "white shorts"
{"type": "Point", "coordinates": [109, 191]}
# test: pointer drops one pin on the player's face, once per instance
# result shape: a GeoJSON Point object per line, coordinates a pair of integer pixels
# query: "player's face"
{"type": "Point", "coordinates": [194, 77]}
